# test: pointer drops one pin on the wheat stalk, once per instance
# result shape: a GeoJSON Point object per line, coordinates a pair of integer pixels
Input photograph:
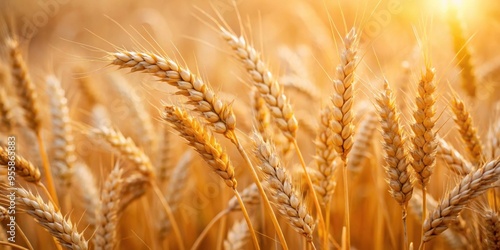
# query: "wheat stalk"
{"type": "Point", "coordinates": [472, 185]}
{"type": "Point", "coordinates": [52, 220]}
{"type": "Point", "coordinates": [468, 132]}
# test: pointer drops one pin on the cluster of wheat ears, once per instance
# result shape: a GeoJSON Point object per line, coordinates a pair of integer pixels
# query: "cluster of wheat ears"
{"type": "Point", "coordinates": [136, 182]}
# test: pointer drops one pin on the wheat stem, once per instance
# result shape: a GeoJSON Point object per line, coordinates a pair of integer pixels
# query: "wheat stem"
{"type": "Point", "coordinates": [47, 170]}
{"type": "Point", "coordinates": [247, 218]}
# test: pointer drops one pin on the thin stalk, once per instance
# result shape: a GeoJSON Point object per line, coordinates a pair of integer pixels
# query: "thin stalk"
{"type": "Point", "coordinates": [46, 169]}
{"type": "Point", "coordinates": [205, 231]}
{"type": "Point", "coordinates": [327, 225]}
{"type": "Point", "coordinates": [6, 243]}
{"type": "Point", "coordinates": [24, 237]}
{"type": "Point", "coordinates": [265, 200]}
{"type": "Point", "coordinates": [247, 218]}
{"type": "Point", "coordinates": [311, 187]}
{"type": "Point", "coordinates": [405, 241]}
{"type": "Point", "coordinates": [346, 204]}
{"type": "Point", "coordinates": [170, 215]}
{"type": "Point", "coordinates": [312, 245]}
{"type": "Point", "coordinates": [424, 216]}
{"type": "Point", "coordinates": [220, 233]}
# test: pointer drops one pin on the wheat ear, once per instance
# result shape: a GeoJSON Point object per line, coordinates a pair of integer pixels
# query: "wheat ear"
{"type": "Point", "coordinates": [24, 168]}
{"type": "Point", "coordinates": [164, 155]}
{"type": "Point", "coordinates": [454, 160]}
{"type": "Point", "coordinates": [492, 229]}
{"type": "Point", "coordinates": [273, 94]}
{"type": "Point", "coordinates": [85, 190]}
{"type": "Point", "coordinates": [397, 158]}
{"type": "Point", "coordinates": [28, 99]}
{"type": "Point", "coordinates": [468, 132]}
{"type": "Point", "coordinates": [27, 96]}
{"type": "Point", "coordinates": [48, 217]}
{"type": "Point", "coordinates": [237, 237]}
{"type": "Point", "coordinates": [267, 86]}
{"type": "Point", "coordinates": [6, 121]}
{"type": "Point", "coordinates": [107, 211]}
{"type": "Point", "coordinates": [63, 147]}
{"type": "Point", "coordinates": [341, 125]}
{"type": "Point", "coordinates": [472, 185]}
{"type": "Point", "coordinates": [363, 141]}
{"type": "Point", "coordinates": [287, 201]}
{"type": "Point", "coordinates": [139, 117]}
{"type": "Point", "coordinates": [325, 157]}
{"type": "Point", "coordinates": [218, 113]}
{"type": "Point", "coordinates": [175, 189]}
{"type": "Point", "coordinates": [207, 146]}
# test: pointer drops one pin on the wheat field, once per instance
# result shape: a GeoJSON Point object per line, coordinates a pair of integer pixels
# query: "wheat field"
{"type": "Point", "coordinates": [239, 124]}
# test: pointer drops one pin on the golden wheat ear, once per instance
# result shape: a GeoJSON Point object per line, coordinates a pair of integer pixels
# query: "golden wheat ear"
{"type": "Point", "coordinates": [471, 186]}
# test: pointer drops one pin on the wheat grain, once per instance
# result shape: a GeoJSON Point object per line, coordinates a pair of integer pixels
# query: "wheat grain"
{"type": "Point", "coordinates": [85, 190]}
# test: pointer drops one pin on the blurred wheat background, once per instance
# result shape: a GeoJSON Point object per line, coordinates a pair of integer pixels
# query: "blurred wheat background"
{"type": "Point", "coordinates": [361, 103]}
